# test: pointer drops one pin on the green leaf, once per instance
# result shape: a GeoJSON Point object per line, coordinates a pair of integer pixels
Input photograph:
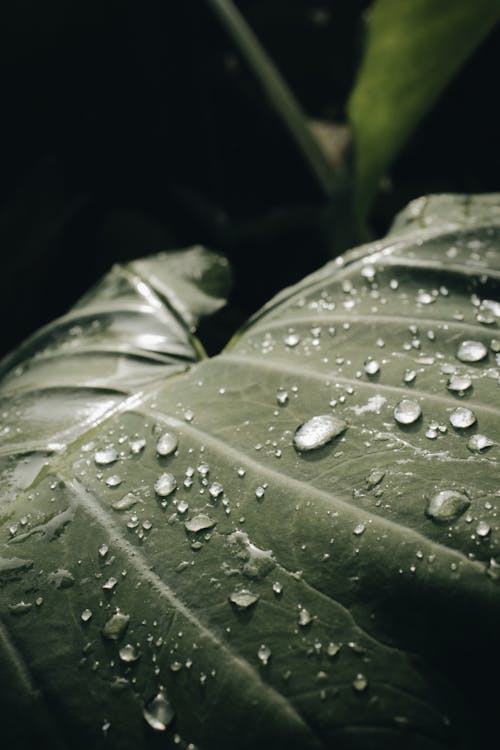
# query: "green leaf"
{"type": "Point", "coordinates": [220, 587]}
{"type": "Point", "coordinates": [413, 50]}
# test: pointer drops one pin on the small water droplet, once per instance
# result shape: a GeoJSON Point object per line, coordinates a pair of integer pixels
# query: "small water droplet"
{"type": "Point", "coordinates": [125, 502]}
{"type": "Point", "coordinates": [483, 529]}
{"type": "Point", "coordinates": [318, 431]}
{"type": "Point", "coordinates": [86, 615]}
{"type": "Point", "coordinates": [371, 367]}
{"type": "Point", "coordinates": [471, 351]}
{"type": "Point", "coordinates": [165, 485]}
{"type": "Point", "coordinates": [61, 578]}
{"type": "Point", "coordinates": [292, 339]}
{"type": "Point", "coordinates": [243, 599]}
{"type": "Point", "coordinates": [264, 654]}
{"type": "Point", "coordinates": [447, 505]}
{"type": "Point", "coordinates": [260, 492]}
{"type": "Point", "coordinates": [407, 411]}
{"type": "Point", "coordinates": [129, 653]}
{"type": "Point", "coordinates": [277, 588]}
{"type": "Point", "coordinates": [110, 584]}
{"type": "Point", "coordinates": [107, 455]}
{"type": "Point", "coordinates": [409, 376]}
{"type": "Point", "coordinates": [478, 443]}
{"type": "Point", "coordinates": [332, 649]}
{"type": "Point", "coordinates": [305, 618]}
{"type": "Point", "coordinates": [282, 397]}
{"type": "Point", "coordinates": [103, 550]}
{"type": "Point", "coordinates": [137, 445]}
{"type": "Point", "coordinates": [200, 522]}
{"type": "Point", "coordinates": [359, 529]}
{"type": "Point", "coordinates": [159, 712]}
{"type": "Point", "coordinates": [113, 481]}
{"type": "Point", "coordinates": [374, 477]}
{"type": "Point", "coordinates": [166, 444]}
{"type": "Point", "coordinates": [360, 683]}
{"type": "Point", "coordinates": [461, 418]}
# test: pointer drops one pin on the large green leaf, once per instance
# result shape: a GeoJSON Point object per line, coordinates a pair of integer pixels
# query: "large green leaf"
{"type": "Point", "coordinates": [344, 596]}
{"type": "Point", "coordinates": [413, 50]}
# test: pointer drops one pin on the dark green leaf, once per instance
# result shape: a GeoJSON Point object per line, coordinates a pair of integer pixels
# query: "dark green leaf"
{"type": "Point", "coordinates": [413, 50]}
{"type": "Point", "coordinates": [252, 594]}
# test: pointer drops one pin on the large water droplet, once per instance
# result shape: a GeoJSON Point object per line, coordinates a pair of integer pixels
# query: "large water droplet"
{"type": "Point", "coordinates": [107, 455]}
{"type": "Point", "coordinates": [407, 411]}
{"type": "Point", "coordinates": [447, 505]}
{"type": "Point", "coordinates": [200, 522]}
{"type": "Point", "coordinates": [471, 351]}
{"type": "Point", "coordinates": [159, 712]}
{"type": "Point", "coordinates": [371, 367]}
{"type": "Point", "coordinates": [305, 617]}
{"type": "Point", "coordinates": [459, 383]}
{"type": "Point", "coordinates": [318, 431]}
{"type": "Point", "coordinates": [478, 443]}
{"type": "Point", "coordinates": [483, 529]}
{"type": "Point", "coordinates": [129, 653]}
{"type": "Point", "coordinates": [165, 485]}
{"type": "Point", "coordinates": [360, 683]}
{"type": "Point", "coordinates": [264, 653]}
{"type": "Point", "coordinates": [461, 418]}
{"type": "Point", "coordinates": [292, 339]}
{"type": "Point", "coordinates": [116, 626]}
{"type": "Point", "coordinates": [243, 599]}
{"type": "Point", "coordinates": [166, 444]}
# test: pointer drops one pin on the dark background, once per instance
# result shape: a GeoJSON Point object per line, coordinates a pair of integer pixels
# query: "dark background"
{"type": "Point", "coordinates": [133, 126]}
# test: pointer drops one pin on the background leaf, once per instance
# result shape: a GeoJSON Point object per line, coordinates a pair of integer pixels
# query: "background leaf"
{"type": "Point", "coordinates": [413, 50]}
{"type": "Point", "coordinates": [370, 625]}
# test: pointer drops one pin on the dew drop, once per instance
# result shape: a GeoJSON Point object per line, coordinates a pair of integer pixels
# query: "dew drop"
{"type": "Point", "coordinates": [292, 339]}
{"type": "Point", "coordinates": [116, 626]}
{"type": "Point", "coordinates": [359, 529]}
{"type": "Point", "coordinates": [282, 397]}
{"type": "Point", "coordinates": [360, 683]}
{"type": "Point", "coordinates": [374, 477]}
{"type": "Point", "coordinates": [459, 384]}
{"type": "Point", "coordinates": [277, 588]}
{"type": "Point", "coordinates": [447, 505]}
{"type": "Point", "coordinates": [166, 444]}
{"type": "Point", "coordinates": [471, 351]}
{"type": "Point", "coordinates": [317, 432]}
{"type": "Point", "coordinates": [407, 411]}
{"type": "Point", "coordinates": [371, 367]}
{"type": "Point", "coordinates": [129, 653]}
{"type": "Point", "coordinates": [113, 481]}
{"type": "Point", "coordinates": [110, 584]}
{"type": "Point", "coordinates": [137, 445]}
{"type": "Point", "coordinates": [305, 617]}
{"type": "Point", "coordinates": [461, 418]}
{"type": "Point", "coordinates": [200, 522]}
{"type": "Point", "coordinates": [158, 712]}
{"type": "Point", "coordinates": [478, 443]}
{"type": "Point", "coordinates": [264, 654]}
{"type": "Point", "coordinates": [409, 376]}
{"type": "Point", "coordinates": [483, 529]}
{"type": "Point", "coordinates": [243, 599]}
{"type": "Point", "coordinates": [105, 456]}
{"type": "Point", "coordinates": [165, 485]}
{"type": "Point", "coordinates": [332, 649]}
{"type": "Point", "coordinates": [125, 502]}
{"type": "Point", "coordinates": [86, 615]}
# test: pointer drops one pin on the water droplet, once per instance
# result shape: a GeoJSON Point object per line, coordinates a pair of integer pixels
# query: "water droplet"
{"type": "Point", "coordinates": [277, 588]}
{"type": "Point", "coordinates": [107, 455]}
{"type": "Point", "coordinates": [317, 432]}
{"type": "Point", "coordinates": [263, 654]}
{"type": "Point", "coordinates": [166, 444]}
{"type": "Point", "coordinates": [61, 578]}
{"type": "Point", "coordinates": [332, 649]}
{"type": "Point", "coordinates": [188, 415]}
{"type": "Point", "coordinates": [137, 445]}
{"type": "Point", "coordinates": [182, 506]}
{"type": "Point", "coordinates": [115, 627]}
{"type": "Point", "coordinates": [407, 411]}
{"type": "Point", "coordinates": [113, 481]}
{"type": "Point", "coordinates": [165, 485]}
{"type": "Point", "coordinates": [243, 599]}
{"type": "Point", "coordinates": [159, 712]}
{"type": "Point", "coordinates": [305, 617]}
{"type": "Point", "coordinates": [360, 683]}
{"type": "Point", "coordinates": [461, 418]}
{"type": "Point", "coordinates": [125, 502]}
{"type": "Point", "coordinates": [215, 490]}
{"type": "Point", "coordinates": [103, 550]}
{"type": "Point", "coordinates": [359, 529]}
{"type": "Point", "coordinates": [292, 339]}
{"type": "Point", "coordinates": [459, 383]}
{"type": "Point", "coordinates": [374, 477]}
{"type": "Point", "coordinates": [471, 351]}
{"type": "Point", "coordinates": [260, 492]}
{"type": "Point", "coordinates": [371, 367]}
{"type": "Point", "coordinates": [282, 397]}
{"type": "Point", "coordinates": [86, 615]}
{"type": "Point", "coordinates": [425, 298]}
{"type": "Point", "coordinates": [447, 505]}
{"type": "Point", "coordinates": [129, 653]}
{"type": "Point", "coordinates": [478, 443]}
{"type": "Point", "coordinates": [20, 608]}
{"type": "Point", "coordinates": [409, 376]}
{"type": "Point", "coordinates": [110, 584]}
{"type": "Point", "coordinates": [200, 522]}
{"type": "Point", "coordinates": [483, 529]}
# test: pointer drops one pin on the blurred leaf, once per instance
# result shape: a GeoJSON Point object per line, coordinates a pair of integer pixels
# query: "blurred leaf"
{"type": "Point", "coordinates": [413, 50]}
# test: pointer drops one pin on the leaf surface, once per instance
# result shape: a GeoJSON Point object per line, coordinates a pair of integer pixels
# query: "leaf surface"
{"type": "Point", "coordinates": [298, 599]}
{"type": "Point", "coordinates": [413, 50]}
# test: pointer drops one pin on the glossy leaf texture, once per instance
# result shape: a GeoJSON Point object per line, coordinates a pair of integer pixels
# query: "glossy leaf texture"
{"type": "Point", "coordinates": [413, 50]}
{"type": "Point", "coordinates": [193, 568]}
